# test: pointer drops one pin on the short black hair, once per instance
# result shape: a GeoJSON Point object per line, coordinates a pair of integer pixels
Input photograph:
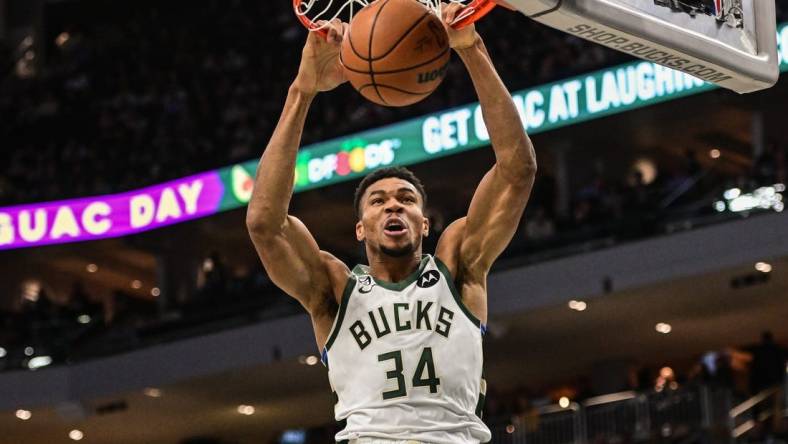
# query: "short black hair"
{"type": "Point", "coordinates": [384, 173]}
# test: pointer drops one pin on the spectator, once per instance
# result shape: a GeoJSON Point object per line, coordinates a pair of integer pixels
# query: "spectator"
{"type": "Point", "coordinates": [80, 302]}
{"type": "Point", "coordinates": [212, 279]}
{"type": "Point", "coordinates": [539, 227]}
{"type": "Point", "coordinates": [770, 167]}
{"type": "Point", "coordinates": [768, 364]}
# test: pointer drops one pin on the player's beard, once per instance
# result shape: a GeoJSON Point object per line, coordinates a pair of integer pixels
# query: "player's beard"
{"type": "Point", "coordinates": [403, 251]}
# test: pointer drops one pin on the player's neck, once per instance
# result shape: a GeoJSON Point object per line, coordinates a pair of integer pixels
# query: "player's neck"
{"type": "Point", "coordinates": [393, 269]}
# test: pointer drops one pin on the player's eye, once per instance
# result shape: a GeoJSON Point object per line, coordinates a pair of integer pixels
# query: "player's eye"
{"type": "Point", "coordinates": [376, 201]}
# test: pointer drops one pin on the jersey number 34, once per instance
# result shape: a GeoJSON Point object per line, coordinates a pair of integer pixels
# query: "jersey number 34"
{"type": "Point", "coordinates": [425, 363]}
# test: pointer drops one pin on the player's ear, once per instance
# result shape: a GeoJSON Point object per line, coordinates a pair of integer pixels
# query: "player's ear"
{"type": "Point", "coordinates": [360, 235]}
{"type": "Point", "coordinates": [425, 231]}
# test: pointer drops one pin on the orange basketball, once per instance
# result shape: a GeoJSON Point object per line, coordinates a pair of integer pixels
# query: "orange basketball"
{"type": "Point", "coordinates": [396, 52]}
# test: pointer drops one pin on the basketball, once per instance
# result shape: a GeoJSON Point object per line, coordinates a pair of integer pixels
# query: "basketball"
{"type": "Point", "coordinates": [396, 52]}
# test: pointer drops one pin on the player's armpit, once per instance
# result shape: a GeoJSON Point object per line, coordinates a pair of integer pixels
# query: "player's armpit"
{"type": "Point", "coordinates": [472, 284]}
{"type": "Point", "coordinates": [448, 247]}
{"type": "Point", "coordinates": [295, 264]}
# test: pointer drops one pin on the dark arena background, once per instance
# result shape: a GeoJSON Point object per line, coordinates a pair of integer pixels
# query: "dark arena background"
{"type": "Point", "coordinates": [644, 298]}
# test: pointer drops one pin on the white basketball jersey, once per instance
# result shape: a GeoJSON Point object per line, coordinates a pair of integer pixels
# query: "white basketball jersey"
{"type": "Point", "coordinates": [405, 360]}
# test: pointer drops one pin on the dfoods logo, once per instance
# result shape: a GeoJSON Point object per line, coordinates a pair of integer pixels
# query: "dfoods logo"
{"type": "Point", "coordinates": [355, 156]}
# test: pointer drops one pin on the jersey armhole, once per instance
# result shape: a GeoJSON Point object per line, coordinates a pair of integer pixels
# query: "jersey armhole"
{"type": "Point", "coordinates": [343, 303]}
{"type": "Point", "coordinates": [457, 297]}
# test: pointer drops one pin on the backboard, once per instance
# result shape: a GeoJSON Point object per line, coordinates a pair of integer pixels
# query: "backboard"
{"type": "Point", "coordinates": [731, 43]}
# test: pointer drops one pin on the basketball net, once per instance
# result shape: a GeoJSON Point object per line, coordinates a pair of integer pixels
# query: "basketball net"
{"type": "Point", "coordinates": [316, 14]}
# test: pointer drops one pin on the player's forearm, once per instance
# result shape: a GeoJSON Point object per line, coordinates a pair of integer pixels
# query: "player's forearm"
{"type": "Point", "coordinates": [273, 186]}
{"type": "Point", "coordinates": [514, 152]}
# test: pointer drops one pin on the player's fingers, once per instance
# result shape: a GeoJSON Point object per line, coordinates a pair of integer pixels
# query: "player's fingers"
{"type": "Point", "coordinates": [448, 15]}
{"type": "Point", "coordinates": [315, 37]}
{"type": "Point", "coordinates": [336, 27]}
{"type": "Point", "coordinates": [331, 36]}
{"type": "Point", "coordinates": [345, 30]}
{"type": "Point", "coordinates": [450, 12]}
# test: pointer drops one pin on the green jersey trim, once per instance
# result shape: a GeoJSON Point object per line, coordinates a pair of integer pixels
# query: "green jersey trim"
{"type": "Point", "coordinates": [450, 280]}
{"type": "Point", "coordinates": [482, 397]}
{"type": "Point", "coordinates": [349, 286]}
{"type": "Point", "coordinates": [396, 286]}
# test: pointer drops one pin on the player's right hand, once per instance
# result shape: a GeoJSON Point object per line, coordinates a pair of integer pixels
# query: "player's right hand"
{"type": "Point", "coordinates": [320, 68]}
{"type": "Point", "coordinates": [458, 38]}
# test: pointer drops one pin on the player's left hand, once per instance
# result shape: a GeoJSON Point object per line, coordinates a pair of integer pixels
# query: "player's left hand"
{"type": "Point", "coordinates": [458, 38]}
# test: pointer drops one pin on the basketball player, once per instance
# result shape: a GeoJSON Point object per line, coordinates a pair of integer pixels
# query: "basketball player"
{"type": "Point", "coordinates": [402, 337]}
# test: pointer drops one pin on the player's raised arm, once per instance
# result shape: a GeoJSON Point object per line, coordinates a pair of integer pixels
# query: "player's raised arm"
{"type": "Point", "coordinates": [474, 242]}
{"type": "Point", "coordinates": [287, 249]}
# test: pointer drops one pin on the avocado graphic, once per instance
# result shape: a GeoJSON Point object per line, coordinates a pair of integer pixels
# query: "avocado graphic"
{"type": "Point", "coordinates": [242, 184]}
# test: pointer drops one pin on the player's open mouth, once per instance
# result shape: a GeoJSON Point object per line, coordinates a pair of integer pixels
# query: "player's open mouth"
{"type": "Point", "coordinates": [395, 228]}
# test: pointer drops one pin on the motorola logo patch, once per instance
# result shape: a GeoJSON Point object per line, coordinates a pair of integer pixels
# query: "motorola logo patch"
{"type": "Point", "coordinates": [428, 279]}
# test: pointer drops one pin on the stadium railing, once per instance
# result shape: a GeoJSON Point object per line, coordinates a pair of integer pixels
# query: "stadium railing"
{"type": "Point", "coordinates": [696, 413]}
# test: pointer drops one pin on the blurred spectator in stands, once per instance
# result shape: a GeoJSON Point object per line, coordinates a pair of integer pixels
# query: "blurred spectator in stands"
{"type": "Point", "coordinates": [768, 364]}
{"type": "Point", "coordinates": [645, 378]}
{"type": "Point", "coordinates": [781, 162]}
{"type": "Point", "coordinates": [691, 165]}
{"type": "Point", "coordinates": [714, 369]}
{"type": "Point", "coordinates": [130, 311]}
{"type": "Point", "coordinates": [539, 227]}
{"type": "Point", "coordinates": [637, 193]}
{"type": "Point", "coordinates": [613, 202]}
{"type": "Point", "coordinates": [595, 188]}
{"type": "Point", "coordinates": [544, 193]}
{"type": "Point", "coordinates": [582, 214]}
{"type": "Point", "coordinates": [525, 416]}
{"type": "Point", "coordinates": [770, 167]}
{"type": "Point", "coordinates": [495, 412]}
{"type": "Point", "coordinates": [683, 182]}
{"type": "Point", "coordinates": [80, 302]}
{"type": "Point", "coordinates": [637, 205]}
{"type": "Point", "coordinates": [765, 166]}
{"type": "Point", "coordinates": [723, 375]}
{"type": "Point", "coordinates": [36, 306]}
{"type": "Point", "coordinates": [212, 278]}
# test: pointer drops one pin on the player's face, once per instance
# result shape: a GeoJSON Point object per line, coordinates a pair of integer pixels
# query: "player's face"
{"type": "Point", "coordinates": [392, 219]}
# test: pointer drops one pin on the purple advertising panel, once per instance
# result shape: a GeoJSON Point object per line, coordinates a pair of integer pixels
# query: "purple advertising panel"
{"type": "Point", "coordinates": [112, 215]}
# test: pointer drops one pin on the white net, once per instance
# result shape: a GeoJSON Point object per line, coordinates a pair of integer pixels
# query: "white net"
{"type": "Point", "coordinates": [320, 12]}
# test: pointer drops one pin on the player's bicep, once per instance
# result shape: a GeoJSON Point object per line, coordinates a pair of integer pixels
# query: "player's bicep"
{"type": "Point", "coordinates": [293, 261]}
{"type": "Point", "coordinates": [493, 217]}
